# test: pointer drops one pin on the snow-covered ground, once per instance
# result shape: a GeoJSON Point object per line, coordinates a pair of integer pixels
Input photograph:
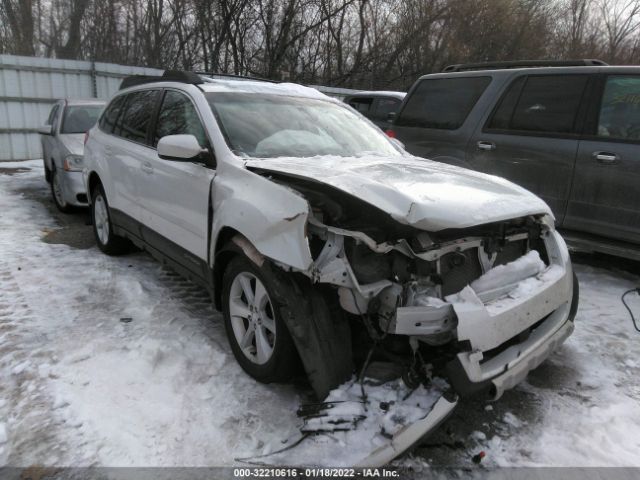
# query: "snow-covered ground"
{"type": "Point", "coordinates": [79, 386]}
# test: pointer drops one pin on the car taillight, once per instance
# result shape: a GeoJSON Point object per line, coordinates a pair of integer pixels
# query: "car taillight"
{"type": "Point", "coordinates": [390, 133]}
{"type": "Point", "coordinates": [86, 136]}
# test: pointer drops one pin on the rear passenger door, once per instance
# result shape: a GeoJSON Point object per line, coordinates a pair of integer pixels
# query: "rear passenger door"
{"type": "Point", "coordinates": [129, 124]}
{"type": "Point", "coordinates": [174, 194]}
{"type": "Point", "coordinates": [531, 138]}
{"type": "Point", "coordinates": [606, 193]}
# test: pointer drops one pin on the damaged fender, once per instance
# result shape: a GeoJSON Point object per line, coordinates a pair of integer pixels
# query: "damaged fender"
{"type": "Point", "coordinates": [270, 216]}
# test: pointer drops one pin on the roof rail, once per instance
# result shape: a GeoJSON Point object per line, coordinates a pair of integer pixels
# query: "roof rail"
{"type": "Point", "coordinates": [463, 67]}
{"type": "Point", "coordinates": [240, 77]}
{"type": "Point", "coordinates": [167, 76]}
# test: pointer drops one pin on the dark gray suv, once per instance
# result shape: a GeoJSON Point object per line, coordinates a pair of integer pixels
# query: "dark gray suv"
{"type": "Point", "coordinates": [567, 131]}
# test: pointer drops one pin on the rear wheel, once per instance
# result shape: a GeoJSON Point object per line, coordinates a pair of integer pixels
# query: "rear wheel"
{"type": "Point", "coordinates": [107, 240]}
{"type": "Point", "coordinates": [259, 339]}
{"type": "Point", "coordinates": [57, 192]}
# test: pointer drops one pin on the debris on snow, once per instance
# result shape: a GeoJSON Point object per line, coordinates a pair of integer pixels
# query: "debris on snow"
{"type": "Point", "coordinates": [349, 421]}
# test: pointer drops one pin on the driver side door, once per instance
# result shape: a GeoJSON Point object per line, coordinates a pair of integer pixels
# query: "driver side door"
{"type": "Point", "coordinates": [174, 194]}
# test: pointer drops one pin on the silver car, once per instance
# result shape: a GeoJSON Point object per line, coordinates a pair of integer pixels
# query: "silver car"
{"type": "Point", "coordinates": [63, 149]}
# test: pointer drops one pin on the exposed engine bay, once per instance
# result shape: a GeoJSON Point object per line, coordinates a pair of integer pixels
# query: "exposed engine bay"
{"type": "Point", "coordinates": [403, 288]}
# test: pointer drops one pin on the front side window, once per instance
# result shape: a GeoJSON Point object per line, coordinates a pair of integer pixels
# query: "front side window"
{"type": "Point", "coordinates": [135, 121]}
{"type": "Point", "coordinates": [80, 118]}
{"type": "Point", "coordinates": [267, 126]}
{"type": "Point", "coordinates": [541, 104]}
{"type": "Point", "coordinates": [178, 116]}
{"type": "Point", "coordinates": [442, 103]}
{"type": "Point", "coordinates": [620, 108]}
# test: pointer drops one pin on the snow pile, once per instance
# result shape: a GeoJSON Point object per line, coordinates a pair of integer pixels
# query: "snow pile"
{"type": "Point", "coordinates": [388, 408]}
{"type": "Point", "coordinates": [503, 285]}
{"type": "Point", "coordinates": [513, 272]}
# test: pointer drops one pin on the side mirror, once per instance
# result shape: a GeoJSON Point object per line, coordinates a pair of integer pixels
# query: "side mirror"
{"type": "Point", "coordinates": [391, 117]}
{"type": "Point", "coordinates": [46, 129]}
{"type": "Point", "coordinates": [179, 147]}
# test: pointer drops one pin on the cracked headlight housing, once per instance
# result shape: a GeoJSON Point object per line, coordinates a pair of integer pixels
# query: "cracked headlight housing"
{"type": "Point", "coordinates": [73, 163]}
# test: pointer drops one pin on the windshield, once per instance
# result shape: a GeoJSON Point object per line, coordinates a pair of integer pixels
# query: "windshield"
{"type": "Point", "coordinates": [80, 118]}
{"type": "Point", "coordinates": [267, 126]}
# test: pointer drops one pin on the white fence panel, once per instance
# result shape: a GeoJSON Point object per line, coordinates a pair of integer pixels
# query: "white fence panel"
{"type": "Point", "coordinates": [30, 85]}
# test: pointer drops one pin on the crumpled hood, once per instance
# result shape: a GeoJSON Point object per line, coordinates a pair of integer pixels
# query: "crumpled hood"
{"type": "Point", "coordinates": [73, 142]}
{"type": "Point", "coordinates": [422, 193]}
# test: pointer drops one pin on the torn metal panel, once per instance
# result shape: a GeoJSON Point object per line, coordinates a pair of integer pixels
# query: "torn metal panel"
{"type": "Point", "coordinates": [273, 218]}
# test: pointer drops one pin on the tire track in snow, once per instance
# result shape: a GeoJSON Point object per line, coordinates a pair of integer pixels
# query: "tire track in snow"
{"type": "Point", "coordinates": [35, 424]}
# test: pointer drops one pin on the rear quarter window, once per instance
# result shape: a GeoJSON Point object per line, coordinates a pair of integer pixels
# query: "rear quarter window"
{"type": "Point", "coordinates": [442, 103]}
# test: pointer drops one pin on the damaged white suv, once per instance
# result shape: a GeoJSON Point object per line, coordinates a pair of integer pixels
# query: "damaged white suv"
{"type": "Point", "coordinates": [326, 246]}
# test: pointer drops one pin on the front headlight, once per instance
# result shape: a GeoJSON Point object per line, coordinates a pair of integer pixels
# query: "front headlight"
{"type": "Point", "coordinates": [73, 163]}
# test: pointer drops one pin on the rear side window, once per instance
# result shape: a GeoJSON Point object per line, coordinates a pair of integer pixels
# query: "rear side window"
{"type": "Point", "coordinates": [363, 105]}
{"type": "Point", "coordinates": [386, 106]}
{"type": "Point", "coordinates": [135, 121]}
{"type": "Point", "coordinates": [542, 104]}
{"type": "Point", "coordinates": [442, 103]}
{"type": "Point", "coordinates": [178, 116]}
{"type": "Point", "coordinates": [620, 108]}
{"type": "Point", "coordinates": [110, 116]}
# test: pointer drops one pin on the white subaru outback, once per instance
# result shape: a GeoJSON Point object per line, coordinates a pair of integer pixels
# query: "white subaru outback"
{"type": "Point", "coordinates": [327, 247]}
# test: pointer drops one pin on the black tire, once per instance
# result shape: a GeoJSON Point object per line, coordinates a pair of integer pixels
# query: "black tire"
{"type": "Point", "coordinates": [107, 240]}
{"type": "Point", "coordinates": [283, 363]}
{"type": "Point", "coordinates": [59, 202]}
{"type": "Point", "coordinates": [47, 172]}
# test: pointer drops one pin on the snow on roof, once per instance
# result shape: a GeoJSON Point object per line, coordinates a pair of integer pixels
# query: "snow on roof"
{"type": "Point", "coordinates": [381, 93]}
{"type": "Point", "coordinates": [85, 101]}
{"type": "Point", "coordinates": [251, 86]}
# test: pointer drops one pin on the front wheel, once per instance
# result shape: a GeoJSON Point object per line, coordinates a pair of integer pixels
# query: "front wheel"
{"type": "Point", "coordinates": [257, 334]}
{"type": "Point", "coordinates": [47, 172]}
{"type": "Point", "coordinates": [107, 240]}
{"type": "Point", "coordinates": [57, 192]}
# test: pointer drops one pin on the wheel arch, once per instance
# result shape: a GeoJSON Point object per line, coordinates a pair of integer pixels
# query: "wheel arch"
{"type": "Point", "coordinates": [92, 182]}
{"type": "Point", "coordinates": [224, 251]}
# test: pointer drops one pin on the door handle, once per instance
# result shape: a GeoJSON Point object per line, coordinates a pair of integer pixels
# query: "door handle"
{"type": "Point", "coordinates": [482, 145]}
{"type": "Point", "coordinates": [606, 158]}
{"type": "Point", "coordinates": [147, 167]}
{"type": "Point", "coordinates": [107, 151]}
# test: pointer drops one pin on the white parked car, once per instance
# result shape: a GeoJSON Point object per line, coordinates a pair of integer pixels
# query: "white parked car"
{"type": "Point", "coordinates": [322, 241]}
{"type": "Point", "coordinates": [62, 139]}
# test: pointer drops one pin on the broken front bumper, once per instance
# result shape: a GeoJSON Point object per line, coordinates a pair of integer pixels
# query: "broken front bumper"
{"type": "Point", "coordinates": [507, 336]}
